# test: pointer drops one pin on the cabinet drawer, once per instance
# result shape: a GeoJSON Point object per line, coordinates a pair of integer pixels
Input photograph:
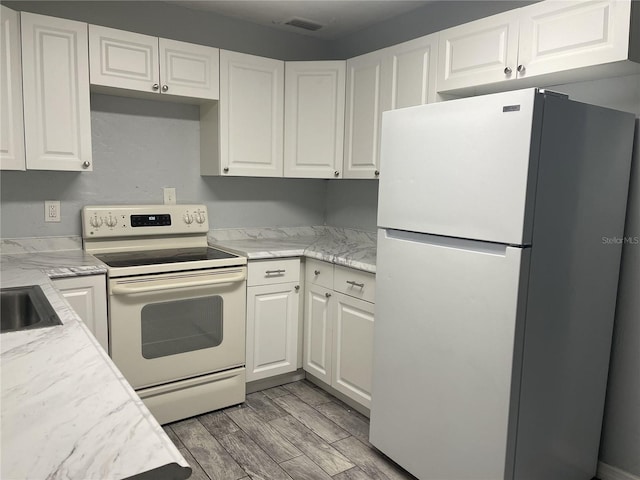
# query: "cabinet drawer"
{"type": "Point", "coordinates": [267, 272]}
{"type": "Point", "coordinates": [317, 272]}
{"type": "Point", "coordinates": [355, 283]}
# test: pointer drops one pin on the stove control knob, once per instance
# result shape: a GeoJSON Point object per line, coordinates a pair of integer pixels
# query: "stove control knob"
{"type": "Point", "coordinates": [96, 222]}
{"type": "Point", "coordinates": [188, 219]}
{"type": "Point", "coordinates": [200, 217]}
{"type": "Point", "coordinates": [112, 221]}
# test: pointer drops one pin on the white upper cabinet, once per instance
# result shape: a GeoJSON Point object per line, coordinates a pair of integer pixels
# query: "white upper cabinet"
{"type": "Point", "coordinates": [484, 51]}
{"type": "Point", "coordinates": [314, 119]}
{"type": "Point", "coordinates": [251, 117]}
{"type": "Point", "coordinates": [548, 42]}
{"type": "Point", "coordinates": [123, 59]}
{"type": "Point", "coordinates": [11, 121]}
{"type": "Point", "coordinates": [564, 35]}
{"type": "Point", "coordinates": [55, 75]}
{"type": "Point", "coordinates": [133, 61]}
{"type": "Point", "coordinates": [403, 75]}
{"type": "Point", "coordinates": [363, 115]}
{"type": "Point", "coordinates": [189, 70]}
{"type": "Point", "coordinates": [409, 73]}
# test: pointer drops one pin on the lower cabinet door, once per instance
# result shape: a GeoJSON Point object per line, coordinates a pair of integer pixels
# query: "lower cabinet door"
{"type": "Point", "coordinates": [88, 297]}
{"type": "Point", "coordinates": [272, 330]}
{"type": "Point", "coordinates": [318, 332]}
{"type": "Point", "coordinates": [353, 347]}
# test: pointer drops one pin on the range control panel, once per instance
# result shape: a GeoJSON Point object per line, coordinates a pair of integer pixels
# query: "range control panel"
{"type": "Point", "coordinates": [143, 220]}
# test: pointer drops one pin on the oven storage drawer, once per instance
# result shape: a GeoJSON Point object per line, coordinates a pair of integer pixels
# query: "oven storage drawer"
{"type": "Point", "coordinates": [186, 398]}
{"type": "Point", "coordinates": [319, 273]}
{"type": "Point", "coordinates": [268, 272]}
{"type": "Point", "coordinates": [355, 283]}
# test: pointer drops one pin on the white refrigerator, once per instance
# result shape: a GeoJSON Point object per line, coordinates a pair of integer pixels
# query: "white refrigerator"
{"type": "Point", "coordinates": [496, 284]}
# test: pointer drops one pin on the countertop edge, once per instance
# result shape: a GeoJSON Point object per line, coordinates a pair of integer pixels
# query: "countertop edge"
{"type": "Point", "coordinates": [174, 463]}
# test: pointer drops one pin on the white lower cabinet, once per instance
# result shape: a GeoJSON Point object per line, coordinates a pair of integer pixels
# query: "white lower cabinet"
{"type": "Point", "coordinates": [317, 332]}
{"type": "Point", "coordinates": [272, 317]}
{"type": "Point", "coordinates": [87, 295]}
{"type": "Point", "coordinates": [338, 328]}
{"type": "Point", "coordinates": [352, 353]}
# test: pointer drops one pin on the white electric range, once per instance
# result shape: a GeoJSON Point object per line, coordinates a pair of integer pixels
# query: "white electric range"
{"type": "Point", "coordinates": [176, 306]}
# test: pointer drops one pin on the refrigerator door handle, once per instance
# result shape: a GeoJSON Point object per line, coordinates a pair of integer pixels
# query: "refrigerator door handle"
{"type": "Point", "coordinates": [476, 246]}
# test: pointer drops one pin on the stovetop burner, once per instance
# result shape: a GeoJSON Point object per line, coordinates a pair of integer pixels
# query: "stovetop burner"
{"type": "Point", "coordinates": [157, 257]}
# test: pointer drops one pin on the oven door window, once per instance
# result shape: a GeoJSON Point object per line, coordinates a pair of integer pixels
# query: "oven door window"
{"type": "Point", "coordinates": [169, 328]}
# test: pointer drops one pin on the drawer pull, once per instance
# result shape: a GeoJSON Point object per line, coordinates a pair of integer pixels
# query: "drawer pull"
{"type": "Point", "coordinates": [355, 284]}
{"type": "Point", "coordinates": [280, 271]}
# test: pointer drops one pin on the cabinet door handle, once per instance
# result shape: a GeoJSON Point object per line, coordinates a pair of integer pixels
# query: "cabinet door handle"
{"type": "Point", "coordinates": [165, 88]}
{"type": "Point", "coordinates": [297, 288]}
{"type": "Point", "coordinates": [327, 294]}
{"type": "Point", "coordinates": [355, 284]}
{"type": "Point", "coordinates": [521, 68]}
{"type": "Point", "coordinates": [155, 86]}
{"type": "Point", "coordinates": [279, 271]}
{"type": "Point", "coordinates": [507, 70]}
{"type": "Point", "coordinates": [316, 272]}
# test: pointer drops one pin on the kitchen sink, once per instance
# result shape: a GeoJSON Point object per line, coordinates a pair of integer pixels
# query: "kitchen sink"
{"type": "Point", "coordinates": [25, 308]}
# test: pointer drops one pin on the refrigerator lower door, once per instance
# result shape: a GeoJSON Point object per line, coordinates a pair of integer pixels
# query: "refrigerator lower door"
{"type": "Point", "coordinates": [447, 353]}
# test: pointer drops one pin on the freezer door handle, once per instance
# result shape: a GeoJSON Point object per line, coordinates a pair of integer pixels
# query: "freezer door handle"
{"type": "Point", "coordinates": [476, 246]}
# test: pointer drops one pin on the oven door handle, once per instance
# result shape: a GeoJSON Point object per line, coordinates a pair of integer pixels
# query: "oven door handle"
{"type": "Point", "coordinates": [129, 289]}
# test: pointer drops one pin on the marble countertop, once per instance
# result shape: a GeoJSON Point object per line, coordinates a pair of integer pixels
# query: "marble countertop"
{"type": "Point", "coordinates": [342, 246]}
{"type": "Point", "coordinates": [66, 410]}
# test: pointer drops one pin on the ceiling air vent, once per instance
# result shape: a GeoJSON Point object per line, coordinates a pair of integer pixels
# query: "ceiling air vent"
{"type": "Point", "coordinates": [304, 24]}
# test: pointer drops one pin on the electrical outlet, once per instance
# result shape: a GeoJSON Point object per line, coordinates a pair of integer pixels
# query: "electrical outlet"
{"type": "Point", "coordinates": [169, 195]}
{"type": "Point", "coordinates": [51, 211]}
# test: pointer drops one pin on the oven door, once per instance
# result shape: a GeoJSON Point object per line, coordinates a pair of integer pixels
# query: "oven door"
{"type": "Point", "coordinates": [172, 326]}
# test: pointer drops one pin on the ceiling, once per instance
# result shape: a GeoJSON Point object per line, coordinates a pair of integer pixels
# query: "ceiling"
{"type": "Point", "coordinates": [337, 17]}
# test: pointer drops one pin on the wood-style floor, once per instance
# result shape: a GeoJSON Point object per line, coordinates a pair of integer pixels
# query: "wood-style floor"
{"type": "Point", "coordinates": [295, 431]}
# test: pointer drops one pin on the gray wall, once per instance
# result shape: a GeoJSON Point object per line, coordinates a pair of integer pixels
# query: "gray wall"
{"type": "Point", "coordinates": [180, 23]}
{"type": "Point", "coordinates": [352, 203]}
{"type": "Point", "coordinates": [430, 18]}
{"type": "Point", "coordinates": [140, 146]}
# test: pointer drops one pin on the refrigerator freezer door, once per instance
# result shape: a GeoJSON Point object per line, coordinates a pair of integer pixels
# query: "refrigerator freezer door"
{"type": "Point", "coordinates": [462, 168]}
{"type": "Point", "coordinates": [447, 349]}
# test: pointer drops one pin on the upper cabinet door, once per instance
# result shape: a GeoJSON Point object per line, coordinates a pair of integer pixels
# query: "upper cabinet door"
{"type": "Point", "coordinates": [363, 115]}
{"type": "Point", "coordinates": [189, 70]}
{"type": "Point", "coordinates": [314, 119]}
{"type": "Point", "coordinates": [409, 76]}
{"type": "Point", "coordinates": [480, 52]}
{"type": "Point", "coordinates": [123, 59]}
{"type": "Point", "coordinates": [55, 78]}
{"type": "Point", "coordinates": [563, 35]}
{"type": "Point", "coordinates": [11, 121]}
{"type": "Point", "coordinates": [251, 115]}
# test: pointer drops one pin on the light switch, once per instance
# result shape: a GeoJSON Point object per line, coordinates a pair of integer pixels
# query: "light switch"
{"type": "Point", "coordinates": [169, 195]}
